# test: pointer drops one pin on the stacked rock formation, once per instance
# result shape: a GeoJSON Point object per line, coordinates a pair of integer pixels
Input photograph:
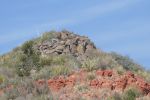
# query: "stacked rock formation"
{"type": "Point", "coordinates": [67, 43]}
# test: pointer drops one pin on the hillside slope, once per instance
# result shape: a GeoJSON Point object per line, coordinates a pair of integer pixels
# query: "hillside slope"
{"type": "Point", "coordinates": [66, 66]}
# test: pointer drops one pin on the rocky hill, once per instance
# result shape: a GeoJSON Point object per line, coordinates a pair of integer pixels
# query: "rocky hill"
{"type": "Point", "coordinates": [66, 66]}
{"type": "Point", "coordinates": [66, 43]}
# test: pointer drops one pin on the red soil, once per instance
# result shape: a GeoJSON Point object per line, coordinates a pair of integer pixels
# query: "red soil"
{"type": "Point", "coordinates": [103, 79]}
{"type": "Point", "coordinates": [106, 80]}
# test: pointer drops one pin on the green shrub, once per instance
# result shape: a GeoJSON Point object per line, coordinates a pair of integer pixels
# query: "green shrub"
{"type": "Point", "coordinates": [60, 70]}
{"type": "Point", "coordinates": [1, 79]}
{"type": "Point", "coordinates": [12, 94]}
{"type": "Point", "coordinates": [27, 48]}
{"type": "Point", "coordinates": [59, 60]}
{"type": "Point", "coordinates": [105, 93]}
{"type": "Point", "coordinates": [72, 62]}
{"type": "Point", "coordinates": [46, 61]}
{"type": "Point", "coordinates": [131, 94]}
{"type": "Point", "coordinates": [90, 64]}
{"type": "Point", "coordinates": [44, 73]}
{"type": "Point", "coordinates": [120, 70]}
{"type": "Point", "coordinates": [27, 59]}
{"type": "Point", "coordinates": [47, 36]}
{"type": "Point", "coordinates": [26, 63]}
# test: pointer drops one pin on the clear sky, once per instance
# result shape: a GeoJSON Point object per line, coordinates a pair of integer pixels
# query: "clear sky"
{"type": "Point", "coordinates": [114, 25]}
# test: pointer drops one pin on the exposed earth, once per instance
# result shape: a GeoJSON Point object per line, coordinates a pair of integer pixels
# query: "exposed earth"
{"type": "Point", "coordinates": [91, 85]}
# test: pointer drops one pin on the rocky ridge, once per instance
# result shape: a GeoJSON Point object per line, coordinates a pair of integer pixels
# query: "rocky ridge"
{"type": "Point", "coordinates": [67, 43]}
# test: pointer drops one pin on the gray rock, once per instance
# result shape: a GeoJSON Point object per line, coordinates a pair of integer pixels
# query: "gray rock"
{"type": "Point", "coordinates": [67, 43]}
{"type": "Point", "coordinates": [73, 48]}
{"type": "Point", "coordinates": [64, 35]}
{"type": "Point", "coordinates": [62, 42]}
{"type": "Point", "coordinates": [60, 47]}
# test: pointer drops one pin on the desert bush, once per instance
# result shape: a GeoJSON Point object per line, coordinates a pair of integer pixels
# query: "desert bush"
{"type": "Point", "coordinates": [91, 76]}
{"type": "Point", "coordinates": [27, 63]}
{"type": "Point", "coordinates": [72, 62]}
{"type": "Point", "coordinates": [59, 60]}
{"type": "Point", "coordinates": [42, 90]}
{"type": "Point", "coordinates": [145, 74]}
{"type": "Point", "coordinates": [1, 79]}
{"type": "Point", "coordinates": [12, 94]}
{"type": "Point", "coordinates": [46, 61]}
{"type": "Point", "coordinates": [47, 36]}
{"type": "Point", "coordinates": [90, 64]}
{"type": "Point", "coordinates": [60, 70]}
{"type": "Point", "coordinates": [126, 62]}
{"type": "Point", "coordinates": [8, 60]}
{"type": "Point", "coordinates": [44, 73]}
{"type": "Point", "coordinates": [23, 68]}
{"type": "Point", "coordinates": [100, 62]}
{"type": "Point", "coordinates": [27, 48]}
{"type": "Point", "coordinates": [131, 94]}
{"type": "Point", "coordinates": [53, 60]}
{"type": "Point", "coordinates": [7, 75]}
{"type": "Point", "coordinates": [59, 65]}
{"type": "Point", "coordinates": [81, 88]}
{"type": "Point", "coordinates": [24, 86]}
{"type": "Point", "coordinates": [105, 94]}
{"type": "Point", "coordinates": [22, 59]}
{"type": "Point", "coordinates": [115, 96]}
{"type": "Point", "coordinates": [27, 59]}
{"type": "Point", "coordinates": [120, 70]}
{"type": "Point", "coordinates": [101, 59]}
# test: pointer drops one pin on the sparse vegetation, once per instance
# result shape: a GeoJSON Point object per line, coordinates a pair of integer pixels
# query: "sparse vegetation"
{"type": "Point", "coordinates": [91, 76]}
{"type": "Point", "coordinates": [131, 94]}
{"type": "Point", "coordinates": [60, 70]}
{"type": "Point", "coordinates": [24, 65]}
{"type": "Point", "coordinates": [126, 62]}
{"type": "Point", "coordinates": [90, 64]}
{"type": "Point", "coordinates": [1, 79]}
{"type": "Point", "coordinates": [45, 36]}
{"type": "Point", "coordinates": [82, 88]}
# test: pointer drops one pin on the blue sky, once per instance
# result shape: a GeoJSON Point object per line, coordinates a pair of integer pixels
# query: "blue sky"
{"type": "Point", "coordinates": [114, 25]}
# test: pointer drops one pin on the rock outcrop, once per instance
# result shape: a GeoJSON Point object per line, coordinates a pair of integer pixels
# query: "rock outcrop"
{"type": "Point", "coordinates": [107, 79]}
{"type": "Point", "coordinates": [104, 79]}
{"type": "Point", "coordinates": [67, 43]}
{"type": "Point", "coordinates": [120, 83]}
